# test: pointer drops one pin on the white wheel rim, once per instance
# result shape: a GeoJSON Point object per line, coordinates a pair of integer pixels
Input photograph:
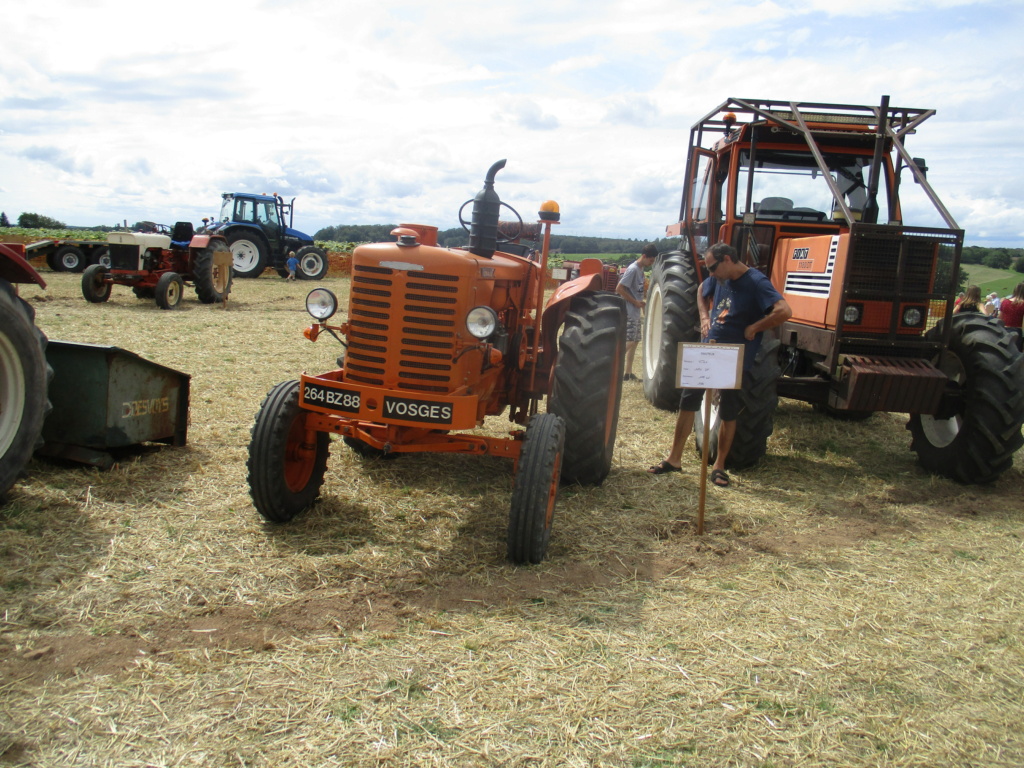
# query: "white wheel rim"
{"type": "Point", "coordinates": [245, 255]}
{"type": "Point", "coordinates": [12, 393]}
{"type": "Point", "coordinates": [652, 331]}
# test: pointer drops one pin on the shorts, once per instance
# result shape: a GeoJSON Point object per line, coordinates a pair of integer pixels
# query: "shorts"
{"type": "Point", "coordinates": [634, 329]}
{"type": "Point", "coordinates": [729, 404]}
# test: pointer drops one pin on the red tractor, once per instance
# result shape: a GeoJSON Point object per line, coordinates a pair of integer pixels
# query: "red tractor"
{"type": "Point", "coordinates": [24, 373]}
{"type": "Point", "coordinates": [812, 195]}
{"type": "Point", "coordinates": [438, 339]}
{"type": "Point", "coordinates": [157, 266]}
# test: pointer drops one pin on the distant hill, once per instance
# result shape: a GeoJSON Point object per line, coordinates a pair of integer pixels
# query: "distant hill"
{"type": "Point", "coordinates": [566, 244]}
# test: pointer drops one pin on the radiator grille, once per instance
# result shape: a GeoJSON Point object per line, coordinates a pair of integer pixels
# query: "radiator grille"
{"type": "Point", "coordinates": [402, 328]}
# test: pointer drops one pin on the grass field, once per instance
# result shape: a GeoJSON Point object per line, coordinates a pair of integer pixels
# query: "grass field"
{"type": "Point", "coordinates": [1002, 281]}
{"type": "Point", "coordinates": [843, 608]}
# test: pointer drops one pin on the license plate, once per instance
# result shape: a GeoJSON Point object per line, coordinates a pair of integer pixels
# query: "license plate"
{"type": "Point", "coordinates": [423, 411]}
{"type": "Point", "coordinates": [334, 398]}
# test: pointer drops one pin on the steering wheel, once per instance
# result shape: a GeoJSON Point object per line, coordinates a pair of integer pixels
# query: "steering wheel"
{"type": "Point", "coordinates": [466, 225]}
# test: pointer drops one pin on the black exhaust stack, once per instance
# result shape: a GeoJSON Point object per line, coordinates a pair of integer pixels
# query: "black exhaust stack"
{"type": "Point", "coordinates": [483, 232]}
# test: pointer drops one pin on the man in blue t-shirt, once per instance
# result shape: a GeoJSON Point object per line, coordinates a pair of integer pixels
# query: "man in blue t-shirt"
{"type": "Point", "coordinates": [743, 306]}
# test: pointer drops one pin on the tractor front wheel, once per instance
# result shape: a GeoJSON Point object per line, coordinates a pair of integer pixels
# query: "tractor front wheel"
{"type": "Point", "coordinates": [24, 377]}
{"type": "Point", "coordinates": [249, 253]}
{"type": "Point", "coordinates": [212, 275]}
{"type": "Point", "coordinates": [169, 289]}
{"type": "Point", "coordinates": [756, 420]}
{"type": "Point", "coordinates": [95, 287]}
{"type": "Point", "coordinates": [70, 258]}
{"type": "Point", "coordinates": [670, 317]}
{"type": "Point", "coordinates": [535, 489]}
{"type": "Point", "coordinates": [976, 444]}
{"type": "Point", "coordinates": [588, 384]}
{"type": "Point", "coordinates": [286, 462]}
{"type": "Point", "coordinates": [312, 263]}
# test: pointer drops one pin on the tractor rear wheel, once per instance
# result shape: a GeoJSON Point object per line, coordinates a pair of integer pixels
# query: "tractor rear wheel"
{"type": "Point", "coordinates": [312, 263]}
{"type": "Point", "coordinates": [95, 288]}
{"type": "Point", "coordinates": [976, 444]}
{"type": "Point", "coordinates": [588, 384]}
{"type": "Point", "coordinates": [756, 421]}
{"type": "Point", "coordinates": [535, 489]}
{"type": "Point", "coordinates": [101, 256]}
{"type": "Point", "coordinates": [670, 317]}
{"type": "Point", "coordinates": [24, 378]}
{"type": "Point", "coordinates": [249, 252]}
{"type": "Point", "coordinates": [213, 282]}
{"type": "Point", "coordinates": [286, 462]}
{"type": "Point", "coordinates": [70, 258]}
{"type": "Point", "coordinates": [169, 289]}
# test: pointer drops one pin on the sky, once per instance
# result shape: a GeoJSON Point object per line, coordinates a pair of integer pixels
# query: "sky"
{"type": "Point", "coordinates": [391, 111]}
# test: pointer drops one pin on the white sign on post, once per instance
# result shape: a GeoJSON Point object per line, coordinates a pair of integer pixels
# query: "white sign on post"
{"type": "Point", "coordinates": [709, 366]}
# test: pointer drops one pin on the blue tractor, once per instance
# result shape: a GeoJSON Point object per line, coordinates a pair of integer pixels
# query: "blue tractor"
{"type": "Point", "coordinates": [258, 229]}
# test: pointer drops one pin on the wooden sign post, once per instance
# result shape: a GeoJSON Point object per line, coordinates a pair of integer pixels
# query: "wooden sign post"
{"type": "Point", "coordinates": [708, 366]}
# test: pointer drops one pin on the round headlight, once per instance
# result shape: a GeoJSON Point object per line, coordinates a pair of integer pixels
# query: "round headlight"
{"type": "Point", "coordinates": [321, 304]}
{"type": "Point", "coordinates": [481, 322]}
{"type": "Point", "coordinates": [852, 314]}
{"type": "Point", "coordinates": [912, 316]}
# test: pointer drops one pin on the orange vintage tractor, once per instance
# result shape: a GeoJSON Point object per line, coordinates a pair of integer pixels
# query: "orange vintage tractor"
{"type": "Point", "coordinates": [810, 194]}
{"type": "Point", "coordinates": [438, 339]}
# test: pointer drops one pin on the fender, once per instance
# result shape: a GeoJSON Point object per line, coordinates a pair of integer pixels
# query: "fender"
{"type": "Point", "coordinates": [14, 268]}
{"type": "Point", "coordinates": [558, 304]}
{"type": "Point", "coordinates": [198, 242]}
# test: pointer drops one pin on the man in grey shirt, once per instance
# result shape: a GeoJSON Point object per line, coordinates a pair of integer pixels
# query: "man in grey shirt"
{"type": "Point", "coordinates": [631, 288]}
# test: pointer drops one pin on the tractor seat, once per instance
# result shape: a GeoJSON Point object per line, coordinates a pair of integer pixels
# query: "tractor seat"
{"type": "Point", "coordinates": [182, 234]}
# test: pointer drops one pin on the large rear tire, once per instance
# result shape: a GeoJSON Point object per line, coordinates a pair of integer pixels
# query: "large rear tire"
{"type": "Point", "coordinates": [312, 263]}
{"type": "Point", "coordinates": [212, 282]}
{"type": "Point", "coordinates": [587, 390]}
{"type": "Point", "coordinates": [976, 444]}
{"type": "Point", "coordinates": [70, 258]}
{"type": "Point", "coordinates": [535, 489]}
{"type": "Point", "coordinates": [756, 422]}
{"type": "Point", "coordinates": [249, 252]}
{"type": "Point", "coordinates": [671, 317]}
{"type": "Point", "coordinates": [169, 289]}
{"type": "Point", "coordinates": [286, 468]}
{"type": "Point", "coordinates": [24, 377]}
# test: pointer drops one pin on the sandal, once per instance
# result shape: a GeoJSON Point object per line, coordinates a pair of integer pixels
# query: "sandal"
{"type": "Point", "coordinates": [719, 478]}
{"type": "Point", "coordinates": [663, 468]}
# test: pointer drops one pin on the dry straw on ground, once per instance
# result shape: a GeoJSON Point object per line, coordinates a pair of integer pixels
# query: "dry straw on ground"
{"type": "Point", "coordinates": [844, 608]}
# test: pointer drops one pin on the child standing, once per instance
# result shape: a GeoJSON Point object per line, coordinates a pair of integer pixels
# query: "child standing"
{"type": "Point", "coordinates": [292, 264]}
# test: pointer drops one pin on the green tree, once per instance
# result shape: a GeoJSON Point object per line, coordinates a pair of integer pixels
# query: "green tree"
{"type": "Point", "coordinates": [38, 221]}
{"type": "Point", "coordinates": [4, 222]}
{"type": "Point", "coordinates": [998, 259]}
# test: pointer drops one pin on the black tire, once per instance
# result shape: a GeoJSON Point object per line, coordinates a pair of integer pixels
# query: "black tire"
{"type": "Point", "coordinates": [143, 292]}
{"type": "Point", "coordinates": [100, 256]}
{"type": "Point", "coordinates": [24, 378]}
{"type": "Point", "coordinates": [53, 262]}
{"type": "Point", "coordinates": [976, 444]}
{"type": "Point", "coordinates": [535, 489]}
{"type": "Point", "coordinates": [249, 252]}
{"type": "Point", "coordinates": [95, 288]}
{"type": "Point", "coordinates": [587, 389]}
{"type": "Point", "coordinates": [312, 263]}
{"type": "Point", "coordinates": [284, 478]}
{"type": "Point", "coordinates": [671, 317]}
{"type": "Point", "coordinates": [756, 421]}
{"type": "Point", "coordinates": [213, 283]}
{"type": "Point", "coordinates": [70, 258]}
{"type": "Point", "coordinates": [168, 291]}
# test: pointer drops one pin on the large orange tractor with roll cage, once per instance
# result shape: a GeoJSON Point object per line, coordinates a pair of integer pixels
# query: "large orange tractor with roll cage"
{"type": "Point", "coordinates": [436, 341]}
{"type": "Point", "coordinates": [813, 195]}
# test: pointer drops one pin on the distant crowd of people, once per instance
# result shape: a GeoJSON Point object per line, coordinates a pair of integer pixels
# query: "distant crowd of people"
{"type": "Point", "coordinates": [1009, 310]}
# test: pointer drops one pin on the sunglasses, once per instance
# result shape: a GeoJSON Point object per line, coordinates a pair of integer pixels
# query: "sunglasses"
{"type": "Point", "coordinates": [714, 266]}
